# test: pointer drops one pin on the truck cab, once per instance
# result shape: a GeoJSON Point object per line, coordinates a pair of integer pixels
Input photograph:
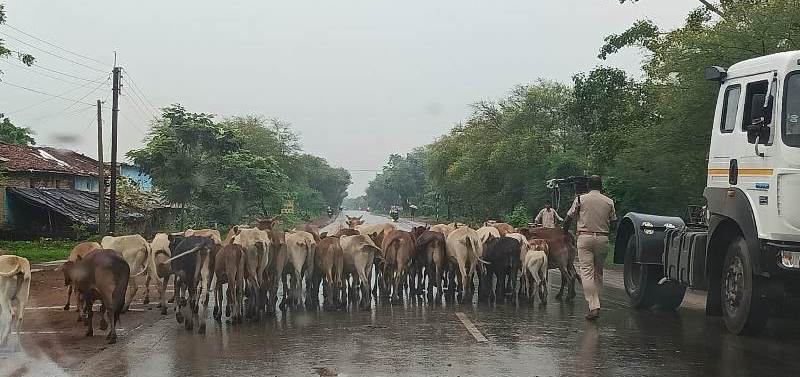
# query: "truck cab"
{"type": "Point", "coordinates": [745, 249]}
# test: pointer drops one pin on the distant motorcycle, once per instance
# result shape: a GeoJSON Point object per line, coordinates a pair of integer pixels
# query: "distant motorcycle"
{"type": "Point", "coordinates": [394, 213]}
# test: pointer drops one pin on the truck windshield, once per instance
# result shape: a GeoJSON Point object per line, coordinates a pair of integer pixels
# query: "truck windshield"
{"type": "Point", "coordinates": [791, 111]}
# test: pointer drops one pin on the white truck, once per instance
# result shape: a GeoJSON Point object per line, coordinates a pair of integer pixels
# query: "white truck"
{"type": "Point", "coordinates": [745, 247]}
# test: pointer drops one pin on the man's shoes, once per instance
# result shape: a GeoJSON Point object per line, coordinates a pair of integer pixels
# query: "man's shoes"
{"type": "Point", "coordinates": [593, 314]}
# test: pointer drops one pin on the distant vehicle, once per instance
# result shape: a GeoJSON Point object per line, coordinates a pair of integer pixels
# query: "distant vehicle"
{"type": "Point", "coordinates": [744, 245]}
{"type": "Point", "coordinates": [394, 213]}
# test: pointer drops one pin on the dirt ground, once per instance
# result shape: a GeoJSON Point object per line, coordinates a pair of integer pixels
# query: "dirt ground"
{"type": "Point", "coordinates": [50, 333]}
{"type": "Point", "coordinates": [55, 336]}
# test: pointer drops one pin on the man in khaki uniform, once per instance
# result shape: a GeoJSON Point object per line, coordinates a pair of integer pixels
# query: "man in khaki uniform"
{"type": "Point", "coordinates": [547, 216]}
{"type": "Point", "coordinates": [594, 211]}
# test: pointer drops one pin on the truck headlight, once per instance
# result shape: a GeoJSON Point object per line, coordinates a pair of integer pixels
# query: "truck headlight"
{"type": "Point", "coordinates": [790, 259]}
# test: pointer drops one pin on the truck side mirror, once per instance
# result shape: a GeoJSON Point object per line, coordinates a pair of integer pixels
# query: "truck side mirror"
{"type": "Point", "coordinates": [761, 116]}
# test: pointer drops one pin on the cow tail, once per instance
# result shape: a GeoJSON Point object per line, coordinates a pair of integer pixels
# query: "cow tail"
{"type": "Point", "coordinates": [473, 244]}
{"type": "Point", "coordinates": [118, 299]}
{"type": "Point", "coordinates": [20, 279]}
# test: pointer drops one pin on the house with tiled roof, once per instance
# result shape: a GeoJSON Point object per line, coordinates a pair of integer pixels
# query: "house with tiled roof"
{"type": "Point", "coordinates": [44, 190]}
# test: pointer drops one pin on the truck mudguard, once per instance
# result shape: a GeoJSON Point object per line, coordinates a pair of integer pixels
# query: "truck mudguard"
{"type": "Point", "coordinates": [649, 232]}
{"type": "Point", "coordinates": [736, 207]}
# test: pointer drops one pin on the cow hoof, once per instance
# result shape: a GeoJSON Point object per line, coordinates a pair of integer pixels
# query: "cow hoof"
{"type": "Point", "coordinates": [179, 317]}
{"type": "Point", "coordinates": [227, 311]}
{"type": "Point", "coordinates": [146, 300]}
{"type": "Point", "coordinates": [89, 333]}
{"type": "Point", "coordinates": [66, 307]}
{"type": "Point", "coordinates": [201, 329]}
{"type": "Point", "coordinates": [171, 301]}
{"type": "Point", "coordinates": [103, 325]}
{"type": "Point", "coordinates": [112, 339]}
{"type": "Point", "coordinates": [163, 310]}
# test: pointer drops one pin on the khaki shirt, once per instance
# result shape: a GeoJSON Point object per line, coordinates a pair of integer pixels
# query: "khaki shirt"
{"type": "Point", "coordinates": [595, 214]}
{"type": "Point", "coordinates": [547, 218]}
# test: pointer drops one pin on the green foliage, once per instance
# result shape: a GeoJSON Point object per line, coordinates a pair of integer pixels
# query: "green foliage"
{"type": "Point", "coordinates": [39, 251]}
{"type": "Point", "coordinates": [520, 216]}
{"type": "Point", "coordinates": [649, 138]}
{"type": "Point", "coordinates": [235, 170]}
{"type": "Point", "coordinates": [5, 52]}
{"type": "Point", "coordinates": [11, 134]}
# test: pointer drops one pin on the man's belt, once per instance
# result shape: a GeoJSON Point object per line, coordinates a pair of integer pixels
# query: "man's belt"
{"type": "Point", "coordinates": [585, 233]}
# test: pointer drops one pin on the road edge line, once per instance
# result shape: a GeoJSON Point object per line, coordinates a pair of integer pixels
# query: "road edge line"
{"type": "Point", "coordinates": [471, 328]}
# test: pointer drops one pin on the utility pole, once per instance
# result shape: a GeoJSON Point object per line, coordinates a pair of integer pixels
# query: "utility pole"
{"type": "Point", "coordinates": [112, 213]}
{"type": "Point", "coordinates": [101, 175]}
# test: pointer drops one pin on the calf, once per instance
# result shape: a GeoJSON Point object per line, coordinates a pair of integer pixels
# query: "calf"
{"type": "Point", "coordinates": [135, 250]}
{"type": "Point", "coordinates": [502, 254]}
{"type": "Point", "coordinates": [158, 269]}
{"type": "Point", "coordinates": [534, 268]}
{"type": "Point", "coordinates": [229, 268]}
{"type": "Point", "coordinates": [77, 252]}
{"type": "Point", "coordinates": [190, 264]}
{"type": "Point", "coordinates": [102, 274]}
{"type": "Point", "coordinates": [15, 283]}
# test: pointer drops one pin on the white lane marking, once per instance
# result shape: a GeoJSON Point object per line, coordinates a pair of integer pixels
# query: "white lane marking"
{"type": "Point", "coordinates": [471, 327]}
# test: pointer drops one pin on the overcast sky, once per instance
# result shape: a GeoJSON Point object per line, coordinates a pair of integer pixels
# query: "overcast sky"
{"type": "Point", "coordinates": [357, 80]}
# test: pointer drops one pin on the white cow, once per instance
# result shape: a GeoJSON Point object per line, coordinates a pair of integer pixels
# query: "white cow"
{"type": "Point", "coordinates": [300, 247]}
{"type": "Point", "coordinates": [534, 266]}
{"type": "Point", "coordinates": [359, 253]}
{"type": "Point", "coordinates": [135, 250]}
{"type": "Point", "coordinates": [255, 246]}
{"type": "Point", "coordinates": [159, 269]}
{"type": "Point", "coordinates": [464, 246]}
{"type": "Point", "coordinates": [485, 231]}
{"type": "Point", "coordinates": [15, 283]}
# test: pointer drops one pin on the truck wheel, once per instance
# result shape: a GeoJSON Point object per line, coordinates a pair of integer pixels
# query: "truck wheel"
{"type": "Point", "coordinates": [640, 279]}
{"type": "Point", "coordinates": [670, 295]}
{"type": "Point", "coordinates": [745, 308]}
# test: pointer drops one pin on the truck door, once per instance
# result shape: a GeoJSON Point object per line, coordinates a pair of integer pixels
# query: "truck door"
{"type": "Point", "coordinates": [755, 171]}
{"type": "Point", "coordinates": [722, 139]}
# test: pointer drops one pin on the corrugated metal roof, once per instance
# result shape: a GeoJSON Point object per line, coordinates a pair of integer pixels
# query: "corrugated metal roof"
{"type": "Point", "coordinates": [78, 206]}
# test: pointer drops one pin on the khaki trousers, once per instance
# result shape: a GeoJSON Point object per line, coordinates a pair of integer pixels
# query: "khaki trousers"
{"type": "Point", "coordinates": [592, 250]}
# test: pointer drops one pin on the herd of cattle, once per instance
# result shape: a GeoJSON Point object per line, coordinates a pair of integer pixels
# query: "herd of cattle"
{"type": "Point", "coordinates": [355, 263]}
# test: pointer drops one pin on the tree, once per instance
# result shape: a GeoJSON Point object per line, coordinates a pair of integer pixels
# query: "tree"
{"type": "Point", "coordinates": [5, 52]}
{"type": "Point", "coordinates": [707, 4]}
{"type": "Point", "coordinates": [11, 134]}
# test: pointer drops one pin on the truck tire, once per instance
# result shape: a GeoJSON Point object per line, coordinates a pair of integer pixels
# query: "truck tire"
{"type": "Point", "coordinates": [745, 307]}
{"type": "Point", "coordinates": [640, 279]}
{"type": "Point", "coordinates": [670, 295]}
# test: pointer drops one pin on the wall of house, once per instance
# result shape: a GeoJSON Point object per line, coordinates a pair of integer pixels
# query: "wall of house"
{"type": "Point", "coordinates": [135, 173]}
{"type": "Point", "coordinates": [90, 184]}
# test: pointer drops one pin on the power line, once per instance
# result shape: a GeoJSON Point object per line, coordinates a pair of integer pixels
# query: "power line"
{"type": "Point", "coordinates": [42, 93]}
{"type": "Point", "coordinates": [130, 79]}
{"type": "Point", "coordinates": [51, 53]}
{"type": "Point", "coordinates": [62, 73]}
{"type": "Point", "coordinates": [138, 100]}
{"type": "Point", "coordinates": [50, 97]}
{"type": "Point", "coordinates": [75, 102]}
{"type": "Point", "coordinates": [54, 45]}
{"type": "Point", "coordinates": [27, 69]}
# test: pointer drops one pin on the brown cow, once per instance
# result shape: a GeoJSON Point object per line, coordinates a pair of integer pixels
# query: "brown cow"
{"type": "Point", "coordinates": [229, 268]}
{"type": "Point", "coordinates": [354, 222]}
{"type": "Point", "coordinates": [328, 268]}
{"type": "Point", "coordinates": [560, 254]}
{"type": "Point", "coordinates": [15, 284]}
{"type": "Point", "coordinates": [399, 250]}
{"type": "Point", "coordinates": [278, 259]}
{"type": "Point", "coordinates": [503, 228]}
{"type": "Point", "coordinates": [77, 252]}
{"type": "Point", "coordinates": [268, 224]}
{"type": "Point", "coordinates": [102, 274]}
{"type": "Point", "coordinates": [346, 232]}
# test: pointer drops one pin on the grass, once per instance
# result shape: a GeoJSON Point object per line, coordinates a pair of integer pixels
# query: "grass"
{"type": "Point", "coordinates": [39, 251]}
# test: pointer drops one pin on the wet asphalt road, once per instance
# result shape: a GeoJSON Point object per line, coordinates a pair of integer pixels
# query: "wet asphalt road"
{"type": "Point", "coordinates": [418, 338]}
